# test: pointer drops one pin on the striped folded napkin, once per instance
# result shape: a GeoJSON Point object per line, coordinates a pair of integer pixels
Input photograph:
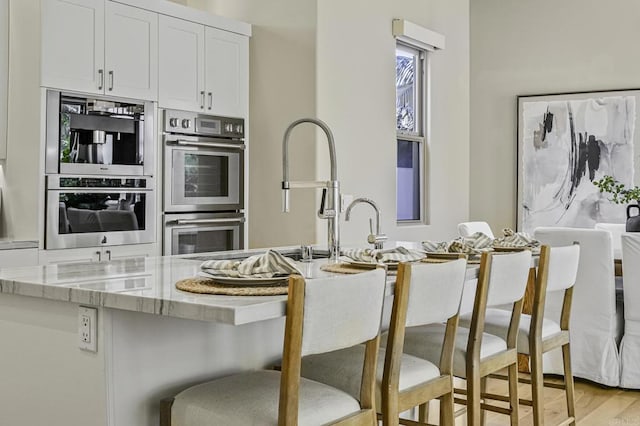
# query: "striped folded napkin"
{"type": "Point", "coordinates": [515, 239]}
{"type": "Point", "coordinates": [473, 244]}
{"type": "Point", "coordinates": [270, 264]}
{"type": "Point", "coordinates": [394, 255]}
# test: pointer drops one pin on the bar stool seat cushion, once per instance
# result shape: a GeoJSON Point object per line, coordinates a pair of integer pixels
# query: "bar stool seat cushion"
{"type": "Point", "coordinates": [426, 342]}
{"type": "Point", "coordinates": [496, 322]}
{"type": "Point", "coordinates": [252, 399]}
{"type": "Point", "coordinates": [343, 370]}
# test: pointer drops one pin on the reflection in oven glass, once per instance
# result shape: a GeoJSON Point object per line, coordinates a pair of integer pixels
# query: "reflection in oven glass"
{"type": "Point", "coordinates": [204, 241]}
{"type": "Point", "coordinates": [98, 212]}
{"type": "Point", "coordinates": [206, 175]}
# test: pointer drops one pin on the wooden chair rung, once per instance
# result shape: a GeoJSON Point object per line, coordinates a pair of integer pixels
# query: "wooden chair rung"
{"type": "Point", "coordinates": [496, 409]}
{"type": "Point", "coordinates": [568, 421]}
{"type": "Point", "coordinates": [408, 422]}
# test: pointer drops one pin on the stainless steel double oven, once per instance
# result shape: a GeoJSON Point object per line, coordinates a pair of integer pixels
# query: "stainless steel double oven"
{"type": "Point", "coordinates": [99, 165]}
{"type": "Point", "coordinates": [204, 160]}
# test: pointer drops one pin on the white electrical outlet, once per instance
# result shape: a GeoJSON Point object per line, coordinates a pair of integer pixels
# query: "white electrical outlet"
{"type": "Point", "coordinates": [88, 329]}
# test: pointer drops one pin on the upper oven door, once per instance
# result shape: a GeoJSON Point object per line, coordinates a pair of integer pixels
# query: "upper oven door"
{"type": "Point", "coordinates": [203, 174]}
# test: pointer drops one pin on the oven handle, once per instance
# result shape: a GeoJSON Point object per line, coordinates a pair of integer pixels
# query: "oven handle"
{"type": "Point", "coordinates": [181, 222]}
{"type": "Point", "coordinates": [225, 144]}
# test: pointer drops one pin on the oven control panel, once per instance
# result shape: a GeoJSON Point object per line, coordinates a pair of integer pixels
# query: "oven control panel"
{"type": "Point", "coordinates": [191, 123]}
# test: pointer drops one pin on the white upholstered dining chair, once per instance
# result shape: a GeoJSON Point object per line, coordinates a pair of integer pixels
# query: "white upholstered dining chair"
{"type": "Point", "coordinates": [466, 229]}
{"type": "Point", "coordinates": [616, 229]}
{"type": "Point", "coordinates": [556, 272]}
{"type": "Point", "coordinates": [596, 322]}
{"type": "Point", "coordinates": [424, 294]}
{"type": "Point", "coordinates": [630, 346]}
{"type": "Point", "coordinates": [323, 315]}
{"type": "Point", "coordinates": [502, 281]}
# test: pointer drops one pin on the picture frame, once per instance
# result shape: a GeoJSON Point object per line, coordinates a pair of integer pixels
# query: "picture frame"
{"type": "Point", "coordinates": [565, 141]}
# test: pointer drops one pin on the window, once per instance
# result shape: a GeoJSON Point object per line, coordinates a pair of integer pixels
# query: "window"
{"type": "Point", "coordinates": [410, 128]}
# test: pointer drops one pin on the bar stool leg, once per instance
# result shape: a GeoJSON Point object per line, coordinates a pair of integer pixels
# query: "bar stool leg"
{"type": "Point", "coordinates": [483, 390]}
{"type": "Point", "coordinates": [537, 383]}
{"type": "Point", "coordinates": [568, 381]}
{"type": "Point", "coordinates": [473, 399]}
{"type": "Point", "coordinates": [423, 412]}
{"type": "Point", "coordinates": [446, 410]}
{"type": "Point", "coordinates": [513, 393]}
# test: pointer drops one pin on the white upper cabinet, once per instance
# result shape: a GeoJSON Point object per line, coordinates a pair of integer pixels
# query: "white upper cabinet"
{"type": "Point", "coordinates": [131, 52]}
{"type": "Point", "coordinates": [181, 72]}
{"type": "Point", "coordinates": [73, 45]}
{"type": "Point", "coordinates": [203, 69]}
{"type": "Point", "coordinates": [227, 72]}
{"type": "Point", "coordinates": [81, 53]}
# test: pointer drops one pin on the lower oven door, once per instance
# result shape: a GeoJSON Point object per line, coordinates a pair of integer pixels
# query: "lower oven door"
{"type": "Point", "coordinates": [99, 216]}
{"type": "Point", "coordinates": [203, 174]}
{"type": "Point", "coordinates": [203, 232]}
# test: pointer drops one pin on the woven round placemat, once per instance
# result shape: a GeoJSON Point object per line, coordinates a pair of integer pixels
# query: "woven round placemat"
{"type": "Point", "coordinates": [345, 268]}
{"type": "Point", "coordinates": [472, 261]}
{"type": "Point", "coordinates": [210, 286]}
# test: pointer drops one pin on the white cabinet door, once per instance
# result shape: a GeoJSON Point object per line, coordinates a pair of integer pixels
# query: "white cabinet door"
{"type": "Point", "coordinates": [73, 45]}
{"type": "Point", "coordinates": [129, 251]}
{"type": "Point", "coordinates": [56, 257]}
{"type": "Point", "coordinates": [131, 52]}
{"type": "Point", "coordinates": [227, 73]}
{"type": "Point", "coordinates": [18, 257]}
{"type": "Point", "coordinates": [181, 64]}
{"type": "Point", "coordinates": [96, 254]}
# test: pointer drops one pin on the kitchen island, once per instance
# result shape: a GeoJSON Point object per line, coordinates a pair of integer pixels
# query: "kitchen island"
{"type": "Point", "coordinates": [152, 339]}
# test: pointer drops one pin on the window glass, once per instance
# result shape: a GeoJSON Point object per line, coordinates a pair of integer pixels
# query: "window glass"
{"type": "Point", "coordinates": [406, 61]}
{"type": "Point", "coordinates": [408, 180]}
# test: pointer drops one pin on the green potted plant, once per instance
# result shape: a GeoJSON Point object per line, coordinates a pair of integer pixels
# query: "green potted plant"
{"type": "Point", "coordinates": [620, 194]}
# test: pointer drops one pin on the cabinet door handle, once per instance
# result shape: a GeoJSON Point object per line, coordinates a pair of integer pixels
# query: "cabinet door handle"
{"type": "Point", "coordinates": [100, 79]}
{"type": "Point", "coordinates": [108, 254]}
{"type": "Point", "coordinates": [202, 99]}
{"type": "Point", "coordinates": [99, 256]}
{"type": "Point", "coordinates": [111, 80]}
{"type": "Point", "coordinates": [210, 100]}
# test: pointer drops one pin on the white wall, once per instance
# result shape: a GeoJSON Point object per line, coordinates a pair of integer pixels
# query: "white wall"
{"type": "Point", "coordinates": [4, 71]}
{"type": "Point", "coordinates": [43, 369]}
{"type": "Point", "coordinates": [537, 47]}
{"type": "Point", "coordinates": [20, 173]}
{"type": "Point", "coordinates": [349, 83]}
{"type": "Point", "coordinates": [281, 90]}
{"type": "Point", "coordinates": [356, 96]}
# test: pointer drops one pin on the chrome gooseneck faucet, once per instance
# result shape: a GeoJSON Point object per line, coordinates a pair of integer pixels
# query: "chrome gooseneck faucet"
{"type": "Point", "coordinates": [330, 203]}
{"type": "Point", "coordinates": [378, 238]}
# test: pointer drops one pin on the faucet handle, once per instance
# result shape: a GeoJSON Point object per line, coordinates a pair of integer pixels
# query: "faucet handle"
{"type": "Point", "coordinates": [377, 240]}
{"type": "Point", "coordinates": [324, 212]}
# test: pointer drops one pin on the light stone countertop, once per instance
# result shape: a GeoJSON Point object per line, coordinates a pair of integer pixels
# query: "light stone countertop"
{"type": "Point", "coordinates": [148, 285]}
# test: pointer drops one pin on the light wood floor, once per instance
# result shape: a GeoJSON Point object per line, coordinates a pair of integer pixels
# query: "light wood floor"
{"type": "Point", "coordinates": [595, 406]}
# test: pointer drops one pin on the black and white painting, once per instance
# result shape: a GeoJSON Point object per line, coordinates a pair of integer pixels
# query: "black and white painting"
{"type": "Point", "coordinates": [567, 141]}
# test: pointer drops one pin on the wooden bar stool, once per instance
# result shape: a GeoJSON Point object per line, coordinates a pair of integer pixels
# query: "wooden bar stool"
{"type": "Point", "coordinates": [502, 281]}
{"type": "Point", "coordinates": [424, 294]}
{"type": "Point", "coordinates": [324, 314]}
{"type": "Point", "coordinates": [557, 271]}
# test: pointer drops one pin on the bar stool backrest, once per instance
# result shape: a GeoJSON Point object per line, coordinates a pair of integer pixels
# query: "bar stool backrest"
{"type": "Point", "coordinates": [340, 312]}
{"type": "Point", "coordinates": [508, 277]}
{"type": "Point", "coordinates": [435, 292]}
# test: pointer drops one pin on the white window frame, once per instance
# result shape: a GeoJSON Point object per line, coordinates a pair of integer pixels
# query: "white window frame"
{"type": "Point", "coordinates": [420, 126]}
{"type": "Point", "coordinates": [414, 36]}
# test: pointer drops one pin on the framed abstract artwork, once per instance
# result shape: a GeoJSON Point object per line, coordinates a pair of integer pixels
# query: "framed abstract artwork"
{"type": "Point", "coordinates": [565, 142]}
